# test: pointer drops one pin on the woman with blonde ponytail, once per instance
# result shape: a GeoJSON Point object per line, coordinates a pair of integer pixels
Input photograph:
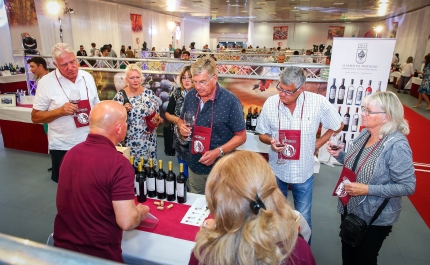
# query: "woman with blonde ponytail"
{"type": "Point", "coordinates": [252, 221]}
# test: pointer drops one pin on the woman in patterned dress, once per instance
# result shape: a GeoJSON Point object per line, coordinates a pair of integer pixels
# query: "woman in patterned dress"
{"type": "Point", "coordinates": [384, 170]}
{"type": "Point", "coordinates": [141, 138]}
{"type": "Point", "coordinates": [424, 89]}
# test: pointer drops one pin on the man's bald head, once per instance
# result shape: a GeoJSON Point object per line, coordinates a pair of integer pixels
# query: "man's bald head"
{"type": "Point", "coordinates": [108, 118]}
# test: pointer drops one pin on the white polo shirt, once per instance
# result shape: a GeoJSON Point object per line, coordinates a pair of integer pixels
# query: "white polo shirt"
{"type": "Point", "coordinates": [317, 109]}
{"type": "Point", "coordinates": [62, 132]}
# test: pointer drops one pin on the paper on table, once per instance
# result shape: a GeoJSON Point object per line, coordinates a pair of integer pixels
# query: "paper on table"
{"type": "Point", "coordinates": [197, 213]}
{"type": "Point", "coordinates": [149, 222]}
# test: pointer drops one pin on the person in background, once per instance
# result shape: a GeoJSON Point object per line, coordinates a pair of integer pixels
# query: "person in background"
{"type": "Point", "coordinates": [380, 174]}
{"type": "Point", "coordinates": [143, 116]}
{"type": "Point", "coordinates": [252, 222]}
{"type": "Point", "coordinates": [219, 120]}
{"type": "Point", "coordinates": [173, 112]}
{"type": "Point", "coordinates": [407, 73]}
{"type": "Point", "coordinates": [104, 51]}
{"type": "Point", "coordinates": [296, 114]}
{"type": "Point", "coordinates": [296, 58]}
{"type": "Point", "coordinates": [183, 48]}
{"type": "Point", "coordinates": [186, 55]}
{"type": "Point", "coordinates": [424, 89]}
{"type": "Point", "coordinates": [129, 53]}
{"type": "Point", "coordinates": [95, 197]}
{"type": "Point", "coordinates": [325, 72]}
{"type": "Point", "coordinates": [122, 64]}
{"type": "Point", "coordinates": [38, 67]}
{"type": "Point", "coordinates": [68, 122]}
{"type": "Point", "coordinates": [82, 52]}
{"type": "Point", "coordinates": [112, 53]}
{"type": "Point", "coordinates": [281, 58]}
{"type": "Point", "coordinates": [93, 49]}
{"type": "Point", "coordinates": [171, 48]}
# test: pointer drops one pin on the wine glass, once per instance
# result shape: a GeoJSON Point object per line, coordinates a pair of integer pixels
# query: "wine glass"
{"type": "Point", "coordinates": [335, 143]}
{"type": "Point", "coordinates": [280, 140]}
{"type": "Point", "coordinates": [189, 121]}
{"type": "Point", "coordinates": [75, 97]}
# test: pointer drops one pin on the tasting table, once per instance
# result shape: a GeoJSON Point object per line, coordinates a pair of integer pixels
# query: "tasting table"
{"type": "Point", "coordinates": [146, 248]}
{"type": "Point", "coordinates": [413, 85]}
{"type": "Point", "coordinates": [12, 83]}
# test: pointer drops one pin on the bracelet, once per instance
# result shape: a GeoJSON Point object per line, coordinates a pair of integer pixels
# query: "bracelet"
{"type": "Point", "coordinates": [175, 120]}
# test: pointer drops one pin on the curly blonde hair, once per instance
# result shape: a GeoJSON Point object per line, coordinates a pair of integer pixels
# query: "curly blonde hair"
{"type": "Point", "coordinates": [240, 236]}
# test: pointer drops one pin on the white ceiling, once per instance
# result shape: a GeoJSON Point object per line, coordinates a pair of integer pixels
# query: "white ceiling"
{"type": "Point", "coordinates": [280, 11]}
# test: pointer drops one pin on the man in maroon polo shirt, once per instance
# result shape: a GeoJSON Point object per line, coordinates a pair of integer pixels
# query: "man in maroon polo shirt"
{"type": "Point", "coordinates": [95, 196]}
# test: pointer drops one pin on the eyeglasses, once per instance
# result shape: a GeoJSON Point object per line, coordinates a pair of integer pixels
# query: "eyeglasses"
{"type": "Point", "coordinates": [202, 83]}
{"type": "Point", "coordinates": [368, 112]}
{"type": "Point", "coordinates": [186, 77]}
{"type": "Point", "coordinates": [286, 92]}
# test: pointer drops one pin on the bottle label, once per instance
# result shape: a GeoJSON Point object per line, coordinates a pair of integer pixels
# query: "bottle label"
{"type": "Point", "coordinates": [332, 93]}
{"type": "Point", "coordinates": [170, 187]}
{"type": "Point", "coordinates": [151, 184]}
{"type": "Point", "coordinates": [355, 121]}
{"type": "Point", "coordinates": [368, 93]}
{"type": "Point", "coordinates": [145, 190]}
{"type": "Point", "coordinates": [253, 122]}
{"type": "Point", "coordinates": [346, 120]}
{"type": "Point", "coordinates": [160, 185]}
{"type": "Point", "coordinates": [359, 95]}
{"type": "Point", "coordinates": [350, 94]}
{"type": "Point", "coordinates": [341, 93]}
{"type": "Point", "coordinates": [137, 189]}
{"type": "Point", "coordinates": [180, 189]}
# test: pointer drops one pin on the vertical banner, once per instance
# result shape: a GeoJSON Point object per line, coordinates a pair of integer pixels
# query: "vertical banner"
{"type": "Point", "coordinates": [136, 31]}
{"type": "Point", "coordinates": [280, 33]}
{"type": "Point", "coordinates": [393, 32]}
{"type": "Point", "coordinates": [22, 22]}
{"type": "Point", "coordinates": [358, 68]}
{"type": "Point", "coordinates": [177, 33]}
{"type": "Point", "coordinates": [335, 31]}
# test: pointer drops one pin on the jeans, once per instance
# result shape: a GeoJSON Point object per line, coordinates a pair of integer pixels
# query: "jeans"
{"type": "Point", "coordinates": [302, 195]}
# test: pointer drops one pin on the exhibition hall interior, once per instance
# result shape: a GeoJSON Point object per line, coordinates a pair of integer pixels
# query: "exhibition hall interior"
{"type": "Point", "coordinates": [330, 52]}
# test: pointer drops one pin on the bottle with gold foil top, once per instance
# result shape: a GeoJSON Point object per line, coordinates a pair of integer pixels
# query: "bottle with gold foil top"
{"type": "Point", "coordinates": [141, 195]}
{"type": "Point", "coordinates": [161, 181]}
{"type": "Point", "coordinates": [181, 185]}
{"type": "Point", "coordinates": [171, 183]}
{"type": "Point", "coordinates": [151, 179]}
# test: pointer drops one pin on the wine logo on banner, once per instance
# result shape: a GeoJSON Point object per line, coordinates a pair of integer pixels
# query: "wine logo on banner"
{"type": "Point", "coordinates": [359, 67]}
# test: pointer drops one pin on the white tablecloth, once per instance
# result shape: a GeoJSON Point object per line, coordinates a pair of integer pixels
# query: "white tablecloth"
{"type": "Point", "coordinates": [414, 80]}
{"type": "Point", "coordinates": [13, 78]}
{"type": "Point", "coordinates": [394, 74]}
{"type": "Point", "coordinates": [20, 114]}
{"type": "Point", "coordinates": [144, 248]}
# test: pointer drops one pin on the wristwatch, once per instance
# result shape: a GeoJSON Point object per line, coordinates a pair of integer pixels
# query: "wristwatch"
{"type": "Point", "coordinates": [221, 152]}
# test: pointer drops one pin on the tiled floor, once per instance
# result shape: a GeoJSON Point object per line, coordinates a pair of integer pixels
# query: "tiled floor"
{"type": "Point", "coordinates": [27, 208]}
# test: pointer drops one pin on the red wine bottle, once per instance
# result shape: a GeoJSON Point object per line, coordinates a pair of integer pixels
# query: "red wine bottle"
{"type": "Point", "coordinates": [151, 179]}
{"type": "Point", "coordinates": [332, 94]}
{"type": "Point", "coordinates": [346, 119]}
{"type": "Point", "coordinates": [161, 181]}
{"type": "Point", "coordinates": [254, 119]}
{"type": "Point", "coordinates": [171, 183]}
{"type": "Point", "coordinates": [368, 89]}
{"type": "Point", "coordinates": [181, 185]}
{"type": "Point", "coordinates": [341, 93]}
{"type": "Point", "coordinates": [350, 94]}
{"type": "Point", "coordinates": [136, 181]}
{"type": "Point", "coordinates": [141, 196]}
{"type": "Point", "coordinates": [248, 119]}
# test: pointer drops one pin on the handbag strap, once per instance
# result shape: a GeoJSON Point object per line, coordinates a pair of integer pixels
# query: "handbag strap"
{"type": "Point", "coordinates": [124, 95]}
{"type": "Point", "coordinates": [354, 166]}
{"type": "Point", "coordinates": [378, 212]}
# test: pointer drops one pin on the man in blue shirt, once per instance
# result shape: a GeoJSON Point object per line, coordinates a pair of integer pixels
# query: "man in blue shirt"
{"type": "Point", "coordinates": [218, 127]}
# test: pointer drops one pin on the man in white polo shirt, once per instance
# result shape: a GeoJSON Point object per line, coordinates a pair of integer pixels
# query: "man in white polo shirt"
{"type": "Point", "coordinates": [68, 122]}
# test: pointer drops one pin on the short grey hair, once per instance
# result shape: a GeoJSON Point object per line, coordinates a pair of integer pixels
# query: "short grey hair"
{"type": "Point", "coordinates": [204, 64]}
{"type": "Point", "coordinates": [389, 103]}
{"type": "Point", "coordinates": [293, 75]}
{"type": "Point", "coordinates": [61, 48]}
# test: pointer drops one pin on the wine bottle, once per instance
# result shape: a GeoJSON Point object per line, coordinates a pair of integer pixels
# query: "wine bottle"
{"type": "Point", "coordinates": [368, 89]}
{"type": "Point", "coordinates": [355, 119]}
{"type": "Point", "coordinates": [151, 179]}
{"type": "Point", "coordinates": [359, 95]}
{"type": "Point", "coordinates": [171, 183]}
{"type": "Point", "coordinates": [341, 93]}
{"type": "Point", "coordinates": [344, 141]}
{"type": "Point", "coordinates": [379, 86]}
{"type": "Point", "coordinates": [254, 119]}
{"type": "Point", "coordinates": [136, 181]}
{"type": "Point", "coordinates": [181, 185]}
{"type": "Point", "coordinates": [350, 143]}
{"type": "Point", "coordinates": [161, 181]}
{"type": "Point", "coordinates": [332, 95]}
{"type": "Point", "coordinates": [346, 120]}
{"type": "Point", "coordinates": [350, 94]}
{"type": "Point", "coordinates": [248, 119]}
{"type": "Point", "coordinates": [141, 196]}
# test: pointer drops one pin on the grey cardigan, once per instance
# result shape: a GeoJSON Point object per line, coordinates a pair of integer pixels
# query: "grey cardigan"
{"type": "Point", "coordinates": [393, 177]}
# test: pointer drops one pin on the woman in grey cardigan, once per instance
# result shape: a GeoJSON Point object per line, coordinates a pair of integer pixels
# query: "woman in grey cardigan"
{"type": "Point", "coordinates": [384, 170]}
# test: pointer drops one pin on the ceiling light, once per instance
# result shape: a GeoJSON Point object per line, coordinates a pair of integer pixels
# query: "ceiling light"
{"type": "Point", "coordinates": [234, 5]}
{"type": "Point", "coordinates": [378, 29]}
{"type": "Point", "coordinates": [338, 4]}
{"type": "Point", "coordinates": [244, 11]}
{"type": "Point", "coordinates": [53, 7]}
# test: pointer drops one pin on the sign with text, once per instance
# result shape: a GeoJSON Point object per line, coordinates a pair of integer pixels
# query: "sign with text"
{"type": "Point", "coordinates": [359, 67]}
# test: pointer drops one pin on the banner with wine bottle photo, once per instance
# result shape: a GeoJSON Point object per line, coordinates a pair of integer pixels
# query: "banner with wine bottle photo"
{"type": "Point", "coordinates": [359, 67]}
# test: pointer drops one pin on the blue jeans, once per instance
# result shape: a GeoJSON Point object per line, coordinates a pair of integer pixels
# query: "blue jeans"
{"type": "Point", "coordinates": [185, 166]}
{"type": "Point", "coordinates": [302, 195]}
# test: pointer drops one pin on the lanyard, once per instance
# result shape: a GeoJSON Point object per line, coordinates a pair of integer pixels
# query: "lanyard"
{"type": "Point", "coordinates": [63, 88]}
{"type": "Point", "coordinates": [301, 113]}
{"type": "Point", "coordinates": [198, 110]}
{"type": "Point", "coordinates": [358, 157]}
